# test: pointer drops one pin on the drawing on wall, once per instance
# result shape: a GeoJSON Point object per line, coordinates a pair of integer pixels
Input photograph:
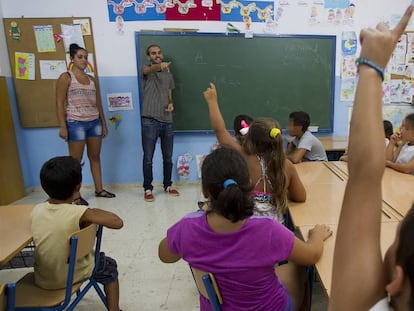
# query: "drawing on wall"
{"type": "Point", "coordinates": [14, 31]}
{"type": "Point", "coordinates": [183, 166]}
{"type": "Point", "coordinates": [51, 69]}
{"type": "Point", "coordinates": [119, 101]}
{"type": "Point", "coordinates": [206, 10]}
{"type": "Point", "coordinates": [115, 121]}
{"type": "Point", "coordinates": [44, 38]}
{"type": "Point", "coordinates": [24, 66]}
{"type": "Point", "coordinates": [348, 88]}
{"type": "Point", "coordinates": [348, 67]}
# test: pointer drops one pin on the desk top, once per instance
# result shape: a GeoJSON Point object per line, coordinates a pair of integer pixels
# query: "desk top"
{"type": "Point", "coordinates": [396, 188]}
{"type": "Point", "coordinates": [334, 143]}
{"type": "Point", "coordinates": [317, 172]}
{"type": "Point", "coordinates": [15, 230]}
{"type": "Point", "coordinates": [323, 206]}
{"type": "Point", "coordinates": [325, 264]}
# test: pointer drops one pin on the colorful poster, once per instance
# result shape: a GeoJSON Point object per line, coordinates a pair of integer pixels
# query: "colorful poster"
{"type": "Point", "coordinates": [44, 38]}
{"type": "Point", "coordinates": [202, 10]}
{"type": "Point", "coordinates": [334, 4]}
{"type": "Point", "coordinates": [85, 26]}
{"type": "Point", "coordinates": [183, 166]}
{"type": "Point", "coordinates": [348, 67]}
{"type": "Point", "coordinates": [348, 88]}
{"type": "Point", "coordinates": [51, 69]}
{"type": "Point", "coordinates": [24, 65]}
{"type": "Point", "coordinates": [119, 101]}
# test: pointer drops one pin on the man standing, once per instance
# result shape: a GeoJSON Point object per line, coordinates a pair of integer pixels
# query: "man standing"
{"type": "Point", "coordinates": [156, 118]}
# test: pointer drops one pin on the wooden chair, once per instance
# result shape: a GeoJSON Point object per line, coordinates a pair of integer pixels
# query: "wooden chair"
{"type": "Point", "coordinates": [7, 296]}
{"type": "Point", "coordinates": [31, 297]}
{"type": "Point", "coordinates": [208, 288]}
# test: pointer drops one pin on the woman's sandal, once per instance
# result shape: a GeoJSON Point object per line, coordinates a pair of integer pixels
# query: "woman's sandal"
{"type": "Point", "coordinates": [104, 194]}
{"type": "Point", "coordinates": [80, 201]}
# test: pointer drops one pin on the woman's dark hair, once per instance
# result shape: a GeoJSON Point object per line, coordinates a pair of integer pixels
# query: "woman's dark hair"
{"type": "Point", "coordinates": [235, 201]}
{"type": "Point", "coordinates": [73, 49]}
{"type": "Point", "coordinates": [388, 129]}
{"type": "Point", "coordinates": [59, 177]}
{"type": "Point", "coordinates": [405, 250]}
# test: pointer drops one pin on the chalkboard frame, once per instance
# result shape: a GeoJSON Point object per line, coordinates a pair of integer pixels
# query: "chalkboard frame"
{"type": "Point", "coordinates": [331, 38]}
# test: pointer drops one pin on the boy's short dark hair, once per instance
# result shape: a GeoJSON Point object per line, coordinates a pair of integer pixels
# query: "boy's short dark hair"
{"type": "Point", "coordinates": [59, 177]}
{"type": "Point", "coordinates": [300, 118]}
{"type": "Point", "coordinates": [409, 119]}
{"type": "Point", "coordinates": [388, 129]}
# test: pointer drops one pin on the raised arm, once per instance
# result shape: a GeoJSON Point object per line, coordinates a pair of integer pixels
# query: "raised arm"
{"type": "Point", "coordinates": [217, 121]}
{"type": "Point", "coordinates": [358, 279]}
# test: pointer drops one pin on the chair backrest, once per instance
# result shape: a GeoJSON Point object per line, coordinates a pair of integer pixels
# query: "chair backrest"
{"type": "Point", "coordinates": [86, 240]}
{"type": "Point", "coordinates": [208, 288]}
{"type": "Point", "coordinates": [7, 296]}
{"type": "Point", "coordinates": [81, 243]}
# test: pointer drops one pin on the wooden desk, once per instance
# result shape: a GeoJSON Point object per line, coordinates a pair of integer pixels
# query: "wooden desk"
{"type": "Point", "coordinates": [396, 188]}
{"type": "Point", "coordinates": [334, 143]}
{"type": "Point", "coordinates": [311, 173]}
{"type": "Point", "coordinates": [325, 264]}
{"type": "Point", "coordinates": [15, 230]}
{"type": "Point", "coordinates": [323, 205]}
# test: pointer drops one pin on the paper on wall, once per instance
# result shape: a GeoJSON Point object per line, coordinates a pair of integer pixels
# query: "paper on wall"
{"type": "Point", "coordinates": [72, 34]}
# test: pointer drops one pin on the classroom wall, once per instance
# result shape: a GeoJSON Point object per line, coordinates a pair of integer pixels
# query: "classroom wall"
{"type": "Point", "coordinates": [116, 61]}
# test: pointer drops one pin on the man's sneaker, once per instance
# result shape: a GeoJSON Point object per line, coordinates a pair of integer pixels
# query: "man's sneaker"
{"type": "Point", "coordinates": [148, 196]}
{"type": "Point", "coordinates": [171, 191]}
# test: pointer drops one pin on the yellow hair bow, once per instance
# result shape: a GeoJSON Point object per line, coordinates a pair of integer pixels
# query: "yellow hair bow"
{"type": "Point", "coordinates": [274, 132]}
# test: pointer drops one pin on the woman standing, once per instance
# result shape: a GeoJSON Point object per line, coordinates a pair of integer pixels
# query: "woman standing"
{"type": "Point", "coordinates": [81, 118]}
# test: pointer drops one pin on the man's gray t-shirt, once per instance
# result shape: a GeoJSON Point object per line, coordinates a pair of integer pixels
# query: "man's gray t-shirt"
{"type": "Point", "coordinates": [312, 145]}
{"type": "Point", "coordinates": [155, 87]}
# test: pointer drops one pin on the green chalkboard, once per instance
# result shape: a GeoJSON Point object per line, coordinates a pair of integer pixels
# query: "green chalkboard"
{"type": "Point", "coordinates": [267, 76]}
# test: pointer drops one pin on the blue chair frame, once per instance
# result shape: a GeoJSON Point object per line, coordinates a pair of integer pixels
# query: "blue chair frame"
{"type": "Point", "coordinates": [208, 284]}
{"type": "Point", "coordinates": [71, 269]}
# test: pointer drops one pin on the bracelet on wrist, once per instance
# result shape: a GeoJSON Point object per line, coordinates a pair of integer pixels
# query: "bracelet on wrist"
{"type": "Point", "coordinates": [367, 62]}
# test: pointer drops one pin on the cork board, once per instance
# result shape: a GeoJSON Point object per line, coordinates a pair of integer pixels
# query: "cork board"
{"type": "Point", "coordinates": [36, 94]}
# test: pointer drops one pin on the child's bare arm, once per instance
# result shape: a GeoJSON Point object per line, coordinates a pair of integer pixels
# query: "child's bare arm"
{"type": "Point", "coordinates": [358, 279]}
{"type": "Point", "coordinates": [407, 168]}
{"type": "Point", "coordinates": [165, 254]}
{"type": "Point", "coordinates": [296, 190]}
{"type": "Point", "coordinates": [217, 121]}
{"type": "Point", "coordinates": [101, 217]}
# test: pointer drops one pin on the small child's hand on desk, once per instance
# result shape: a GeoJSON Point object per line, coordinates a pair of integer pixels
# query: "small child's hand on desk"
{"type": "Point", "coordinates": [321, 230]}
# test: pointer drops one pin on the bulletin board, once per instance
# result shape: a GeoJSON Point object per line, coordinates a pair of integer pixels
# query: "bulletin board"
{"type": "Point", "coordinates": [36, 60]}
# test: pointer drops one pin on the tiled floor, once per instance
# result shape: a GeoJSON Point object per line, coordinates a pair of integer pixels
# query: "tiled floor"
{"type": "Point", "coordinates": [145, 283]}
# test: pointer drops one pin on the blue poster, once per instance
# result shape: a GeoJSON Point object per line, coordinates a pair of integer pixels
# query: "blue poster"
{"type": "Point", "coordinates": [336, 4]}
